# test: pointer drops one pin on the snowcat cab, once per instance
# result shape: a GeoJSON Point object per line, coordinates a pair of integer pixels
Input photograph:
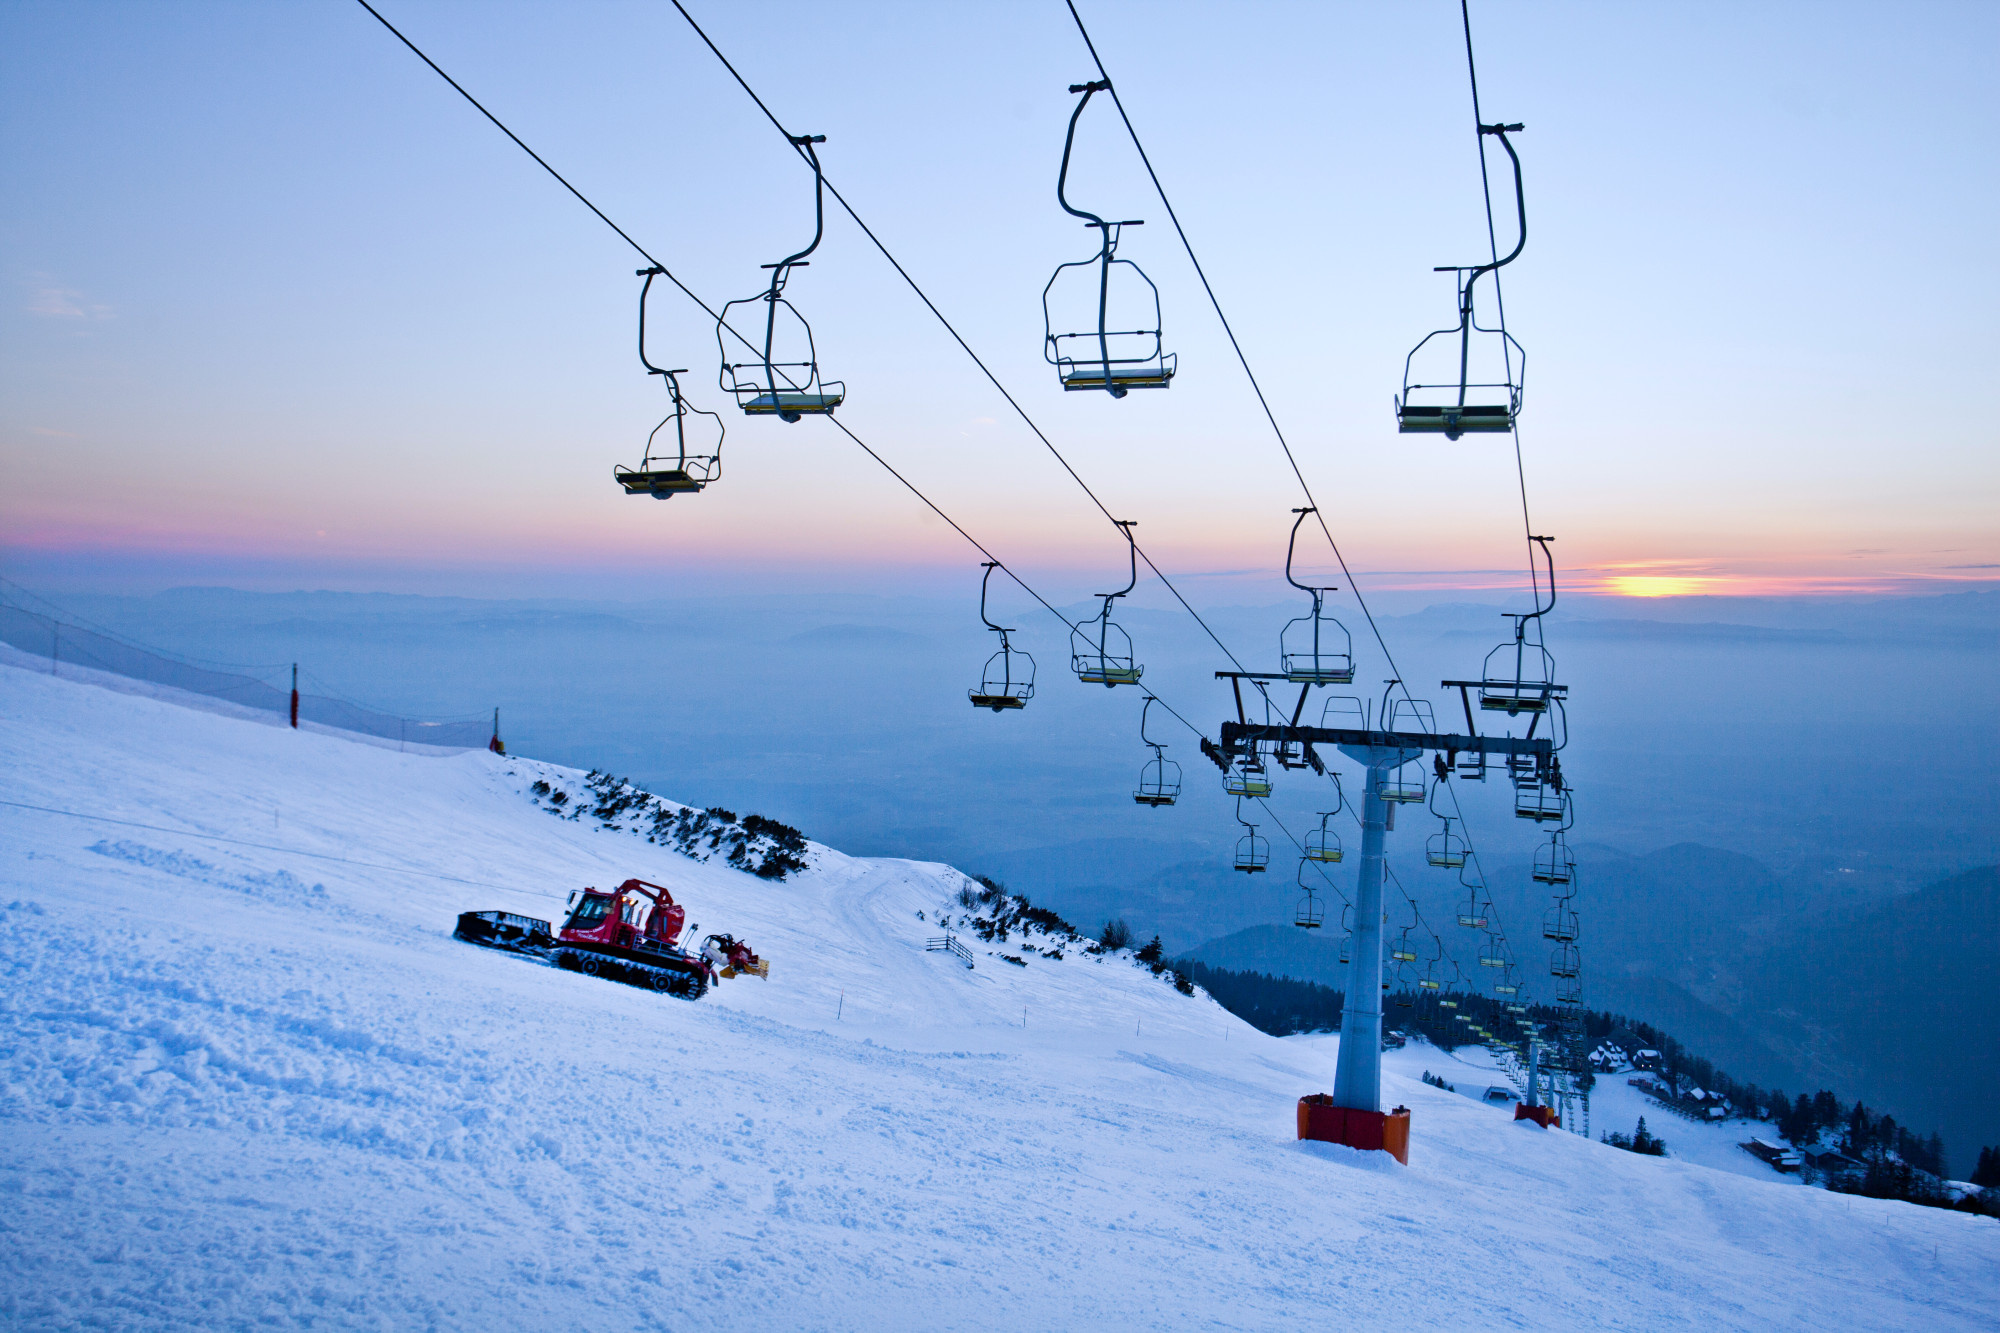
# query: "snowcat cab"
{"type": "Point", "coordinates": [631, 934]}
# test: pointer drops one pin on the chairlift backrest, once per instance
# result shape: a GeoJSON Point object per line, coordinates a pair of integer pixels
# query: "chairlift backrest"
{"type": "Point", "coordinates": [1344, 712]}
{"type": "Point", "coordinates": [1413, 715]}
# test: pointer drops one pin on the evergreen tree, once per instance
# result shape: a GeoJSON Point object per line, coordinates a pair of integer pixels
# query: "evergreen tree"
{"type": "Point", "coordinates": [1987, 1174]}
{"type": "Point", "coordinates": [1933, 1155]}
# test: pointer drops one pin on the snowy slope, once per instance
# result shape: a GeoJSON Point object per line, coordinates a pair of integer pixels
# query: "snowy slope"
{"type": "Point", "coordinates": [248, 1077]}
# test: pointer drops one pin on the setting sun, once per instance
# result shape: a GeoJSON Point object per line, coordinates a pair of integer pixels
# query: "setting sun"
{"type": "Point", "coordinates": [1654, 585]}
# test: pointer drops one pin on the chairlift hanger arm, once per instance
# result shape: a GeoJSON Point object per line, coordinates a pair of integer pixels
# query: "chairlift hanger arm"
{"type": "Point", "coordinates": [1549, 557]}
{"type": "Point", "coordinates": [1125, 525]}
{"type": "Point", "coordinates": [1144, 709]}
{"type": "Point", "coordinates": [648, 274]}
{"type": "Point", "coordinates": [805, 143]}
{"type": "Point", "coordinates": [990, 566]}
{"type": "Point", "coordinates": [1069, 141]}
{"type": "Point", "coordinates": [1292, 545]}
{"type": "Point", "coordinates": [1520, 203]}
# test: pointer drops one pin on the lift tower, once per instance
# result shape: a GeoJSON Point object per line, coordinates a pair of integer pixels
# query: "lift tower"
{"type": "Point", "coordinates": [1357, 1084]}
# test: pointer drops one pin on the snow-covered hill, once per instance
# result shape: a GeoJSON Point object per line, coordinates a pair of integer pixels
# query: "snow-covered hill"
{"type": "Point", "coordinates": [248, 1077]}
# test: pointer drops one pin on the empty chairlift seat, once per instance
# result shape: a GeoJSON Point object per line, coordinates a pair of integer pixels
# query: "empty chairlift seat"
{"type": "Point", "coordinates": [1099, 298]}
{"type": "Point", "coordinates": [778, 374]}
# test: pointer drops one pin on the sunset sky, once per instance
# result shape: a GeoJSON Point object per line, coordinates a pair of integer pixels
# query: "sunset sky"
{"type": "Point", "coordinates": [278, 309]}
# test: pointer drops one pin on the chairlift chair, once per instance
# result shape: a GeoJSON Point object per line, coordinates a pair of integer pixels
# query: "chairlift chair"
{"type": "Point", "coordinates": [1009, 678]}
{"type": "Point", "coordinates": [1247, 777]}
{"type": "Point", "coordinates": [1564, 961]}
{"type": "Point", "coordinates": [674, 471]}
{"type": "Point", "coordinates": [1555, 863]}
{"type": "Point", "coordinates": [1403, 785]}
{"type": "Point", "coordinates": [1107, 660]}
{"type": "Point", "coordinates": [768, 384]}
{"type": "Point", "coordinates": [1475, 913]}
{"type": "Point", "coordinates": [1314, 649]}
{"type": "Point", "coordinates": [1310, 915]}
{"type": "Point", "coordinates": [1253, 854]}
{"type": "Point", "coordinates": [1445, 849]}
{"type": "Point", "coordinates": [1519, 675]}
{"type": "Point", "coordinates": [1492, 953]}
{"type": "Point", "coordinates": [1323, 843]}
{"type": "Point", "coordinates": [1543, 803]}
{"type": "Point", "coordinates": [1445, 409]}
{"type": "Point", "coordinates": [1560, 923]}
{"type": "Point", "coordinates": [1113, 360]}
{"type": "Point", "coordinates": [1160, 779]}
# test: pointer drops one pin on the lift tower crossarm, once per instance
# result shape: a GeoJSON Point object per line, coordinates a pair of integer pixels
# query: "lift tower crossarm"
{"type": "Point", "coordinates": [1239, 736]}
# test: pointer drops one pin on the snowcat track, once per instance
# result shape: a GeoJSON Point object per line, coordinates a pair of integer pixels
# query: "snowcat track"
{"type": "Point", "coordinates": [684, 983]}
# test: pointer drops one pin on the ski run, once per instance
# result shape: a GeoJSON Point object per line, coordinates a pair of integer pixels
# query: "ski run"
{"type": "Point", "coordinates": [252, 1080]}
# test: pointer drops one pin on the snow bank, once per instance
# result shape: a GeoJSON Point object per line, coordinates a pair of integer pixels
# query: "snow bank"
{"type": "Point", "coordinates": [248, 1077]}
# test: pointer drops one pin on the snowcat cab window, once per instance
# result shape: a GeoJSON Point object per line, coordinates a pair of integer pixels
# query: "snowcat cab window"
{"type": "Point", "coordinates": [590, 913]}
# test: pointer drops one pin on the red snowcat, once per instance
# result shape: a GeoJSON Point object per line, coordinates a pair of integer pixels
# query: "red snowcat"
{"type": "Point", "coordinates": [632, 934]}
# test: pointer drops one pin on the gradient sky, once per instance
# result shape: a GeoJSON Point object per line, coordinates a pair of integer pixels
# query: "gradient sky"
{"type": "Point", "coordinates": [276, 307]}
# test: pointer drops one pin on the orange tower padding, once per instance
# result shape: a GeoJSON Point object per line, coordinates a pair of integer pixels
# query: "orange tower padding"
{"type": "Point", "coordinates": [1545, 1116]}
{"type": "Point", "coordinates": [1375, 1131]}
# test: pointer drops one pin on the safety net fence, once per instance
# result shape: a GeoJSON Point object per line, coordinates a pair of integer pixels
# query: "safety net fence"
{"type": "Point", "coordinates": [62, 643]}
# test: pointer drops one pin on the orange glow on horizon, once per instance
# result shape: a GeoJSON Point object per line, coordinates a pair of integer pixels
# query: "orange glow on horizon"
{"type": "Point", "coordinates": [1655, 585]}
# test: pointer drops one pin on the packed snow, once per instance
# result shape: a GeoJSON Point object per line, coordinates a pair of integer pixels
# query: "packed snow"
{"type": "Point", "coordinates": [248, 1077]}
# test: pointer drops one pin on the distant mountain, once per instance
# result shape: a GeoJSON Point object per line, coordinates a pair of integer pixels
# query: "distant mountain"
{"type": "Point", "coordinates": [1183, 891]}
{"type": "Point", "coordinates": [1898, 1003]}
{"type": "Point", "coordinates": [1798, 982]}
